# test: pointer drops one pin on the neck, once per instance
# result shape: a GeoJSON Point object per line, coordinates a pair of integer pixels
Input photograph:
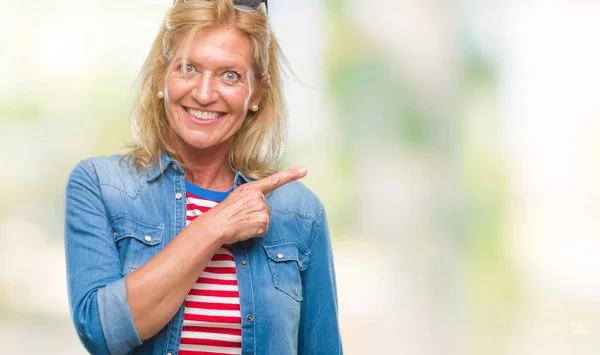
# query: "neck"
{"type": "Point", "coordinates": [209, 167]}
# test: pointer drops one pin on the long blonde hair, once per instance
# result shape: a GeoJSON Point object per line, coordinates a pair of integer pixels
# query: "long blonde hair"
{"type": "Point", "coordinates": [259, 142]}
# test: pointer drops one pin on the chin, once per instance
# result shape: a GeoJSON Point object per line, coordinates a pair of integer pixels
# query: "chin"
{"type": "Point", "coordinates": [203, 143]}
{"type": "Point", "coordinates": [200, 144]}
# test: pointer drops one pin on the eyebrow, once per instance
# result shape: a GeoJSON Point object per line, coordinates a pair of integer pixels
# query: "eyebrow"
{"type": "Point", "coordinates": [228, 63]}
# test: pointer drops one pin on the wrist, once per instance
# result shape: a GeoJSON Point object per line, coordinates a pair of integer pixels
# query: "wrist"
{"type": "Point", "coordinates": [207, 231]}
{"type": "Point", "coordinates": [214, 234]}
{"type": "Point", "coordinates": [218, 236]}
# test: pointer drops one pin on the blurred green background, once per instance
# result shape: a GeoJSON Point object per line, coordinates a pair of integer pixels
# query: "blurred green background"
{"type": "Point", "coordinates": [455, 145]}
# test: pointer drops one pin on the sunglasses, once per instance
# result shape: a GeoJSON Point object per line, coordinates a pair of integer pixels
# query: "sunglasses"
{"type": "Point", "coordinates": [244, 5]}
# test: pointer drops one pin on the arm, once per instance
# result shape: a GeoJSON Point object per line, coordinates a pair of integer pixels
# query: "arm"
{"type": "Point", "coordinates": [319, 330]}
{"type": "Point", "coordinates": [113, 314]}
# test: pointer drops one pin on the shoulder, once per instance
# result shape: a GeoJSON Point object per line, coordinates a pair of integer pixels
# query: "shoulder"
{"type": "Point", "coordinates": [108, 165]}
{"type": "Point", "coordinates": [108, 171]}
{"type": "Point", "coordinates": [105, 167]}
{"type": "Point", "coordinates": [296, 198]}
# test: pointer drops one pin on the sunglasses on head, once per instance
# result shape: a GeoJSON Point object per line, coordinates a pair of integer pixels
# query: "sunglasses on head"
{"type": "Point", "coordinates": [244, 5]}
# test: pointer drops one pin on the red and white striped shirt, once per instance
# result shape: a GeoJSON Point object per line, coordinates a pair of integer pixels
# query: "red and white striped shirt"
{"type": "Point", "coordinates": [212, 323]}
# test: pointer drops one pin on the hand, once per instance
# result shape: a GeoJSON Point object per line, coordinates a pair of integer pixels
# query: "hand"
{"type": "Point", "coordinates": [245, 213]}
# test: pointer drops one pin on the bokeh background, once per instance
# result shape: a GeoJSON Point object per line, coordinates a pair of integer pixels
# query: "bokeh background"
{"type": "Point", "coordinates": [455, 145]}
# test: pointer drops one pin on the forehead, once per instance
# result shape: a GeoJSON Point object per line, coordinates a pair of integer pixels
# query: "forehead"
{"type": "Point", "coordinates": [216, 45]}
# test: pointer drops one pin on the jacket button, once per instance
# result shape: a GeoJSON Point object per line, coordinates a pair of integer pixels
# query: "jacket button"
{"type": "Point", "coordinates": [244, 263]}
{"type": "Point", "coordinates": [279, 256]}
{"type": "Point", "coordinates": [250, 318]}
{"type": "Point", "coordinates": [148, 238]}
{"type": "Point", "coordinates": [169, 353]}
{"type": "Point", "coordinates": [178, 195]}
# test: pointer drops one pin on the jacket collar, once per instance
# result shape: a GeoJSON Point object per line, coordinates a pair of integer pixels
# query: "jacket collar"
{"type": "Point", "coordinates": [240, 179]}
{"type": "Point", "coordinates": [166, 161]}
{"type": "Point", "coordinates": [159, 169]}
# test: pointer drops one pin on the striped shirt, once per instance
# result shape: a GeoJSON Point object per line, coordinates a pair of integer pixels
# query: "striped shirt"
{"type": "Point", "coordinates": [212, 323]}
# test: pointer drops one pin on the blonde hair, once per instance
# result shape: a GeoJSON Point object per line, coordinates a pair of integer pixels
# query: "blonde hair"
{"type": "Point", "coordinates": [259, 142]}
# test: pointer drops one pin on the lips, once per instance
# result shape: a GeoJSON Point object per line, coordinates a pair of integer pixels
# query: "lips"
{"type": "Point", "coordinates": [204, 115]}
{"type": "Point", "coordinates": [203, 118]}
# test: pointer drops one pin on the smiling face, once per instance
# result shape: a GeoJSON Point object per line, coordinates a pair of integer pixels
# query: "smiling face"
{"type": "Point", "coordinates": [208, 98]}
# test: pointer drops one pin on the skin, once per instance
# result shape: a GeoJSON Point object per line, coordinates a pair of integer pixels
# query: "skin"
{"type": "Point", "coordinates": [219, 77]}
{"type": "Point", "coordinates": [157, 289]}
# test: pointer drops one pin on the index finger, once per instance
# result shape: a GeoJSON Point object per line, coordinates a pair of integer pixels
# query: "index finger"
{"type": "Point", "coordinates": [270, 183]}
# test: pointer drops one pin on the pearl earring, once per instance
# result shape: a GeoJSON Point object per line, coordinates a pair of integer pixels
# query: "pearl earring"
{"type": "Point", "coordinates": [160, 94]}
{"type": "Point", "coordinates": [254, 108]}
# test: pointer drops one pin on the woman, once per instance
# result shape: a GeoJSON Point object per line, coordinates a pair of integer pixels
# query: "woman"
{"type": "Point", "coordinates": [192, 243]}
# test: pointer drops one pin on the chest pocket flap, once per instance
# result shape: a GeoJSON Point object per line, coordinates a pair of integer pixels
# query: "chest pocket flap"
{"type": "Point", "coordinates": [130, 228]}
{"type": "Point", "coordinates": [286, 260]}
{"type": "Point", "coordinates": [136, 241]}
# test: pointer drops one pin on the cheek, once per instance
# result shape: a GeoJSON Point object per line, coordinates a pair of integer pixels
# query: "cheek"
{"type": "Point", "coordinates": [236, 96]}
{"type": "Point", "coordinates": [176, 88]}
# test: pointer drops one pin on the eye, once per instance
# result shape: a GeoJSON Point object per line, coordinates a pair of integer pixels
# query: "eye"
{"type": "Point", "coordinates": [231, 76]}
{"type": "Point", "coordinates": [187, 69]}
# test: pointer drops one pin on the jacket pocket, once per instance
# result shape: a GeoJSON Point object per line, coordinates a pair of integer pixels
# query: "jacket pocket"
{"type": "Point", "coordinates": [286, 260]}
{"type": "Point", "coordinates": [136, 241]}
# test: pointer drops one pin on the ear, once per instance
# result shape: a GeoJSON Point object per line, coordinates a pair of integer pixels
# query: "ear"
{"type": "Point", "coordinates": [255, 100]}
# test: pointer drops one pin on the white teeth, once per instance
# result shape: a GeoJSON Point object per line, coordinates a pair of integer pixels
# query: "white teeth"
{"type": "Point", "coordinates": [203, 115]}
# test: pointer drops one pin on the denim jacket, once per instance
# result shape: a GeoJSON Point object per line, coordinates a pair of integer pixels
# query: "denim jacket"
{"type": "Point", "coordinates": [118, 219]}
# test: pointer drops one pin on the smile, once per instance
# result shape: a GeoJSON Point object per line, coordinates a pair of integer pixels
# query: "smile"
{"type": "Point", "coordinates": [204, 115]}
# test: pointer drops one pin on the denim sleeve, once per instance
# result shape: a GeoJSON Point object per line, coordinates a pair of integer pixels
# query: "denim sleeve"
{"type": "Point", "coordinates": [319, 331]}
{"type": "Point", "coordinates": [96, 287]}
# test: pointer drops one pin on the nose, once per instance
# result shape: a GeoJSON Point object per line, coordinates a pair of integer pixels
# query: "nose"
{"type": "Point", "coordinates": [205, 90]}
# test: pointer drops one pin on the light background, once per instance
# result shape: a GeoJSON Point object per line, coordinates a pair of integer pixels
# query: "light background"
{"type": "Point", "coordinates": [455, 145]}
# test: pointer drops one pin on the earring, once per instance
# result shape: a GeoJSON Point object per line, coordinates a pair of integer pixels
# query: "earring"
{"type": "Point", "coordinates": [160, 94]}
{"type": "Point", "coordinates": [254, 108]}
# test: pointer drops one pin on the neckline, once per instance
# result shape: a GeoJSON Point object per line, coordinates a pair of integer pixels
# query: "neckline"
{"type": "Point", "coordinates": [206, 194]}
